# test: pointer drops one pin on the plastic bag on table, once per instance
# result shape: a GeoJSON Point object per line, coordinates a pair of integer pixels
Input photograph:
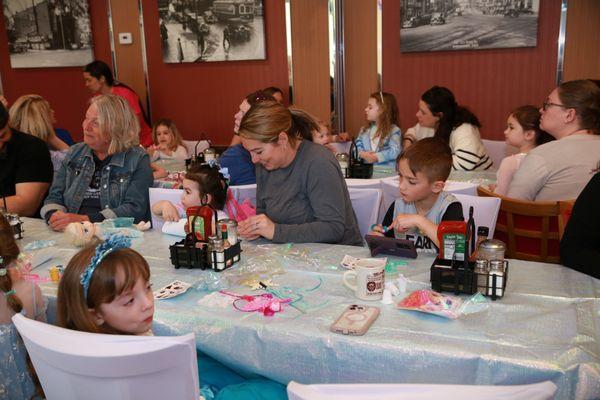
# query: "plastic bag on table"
{"type": "Point", "coordinates": [452, 307]}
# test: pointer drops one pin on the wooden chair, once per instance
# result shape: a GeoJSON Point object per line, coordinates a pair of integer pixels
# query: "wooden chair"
{"type": "Point", "coordinates": [565, 208]}
{"type": "Point", "coordinates": [530, 229]}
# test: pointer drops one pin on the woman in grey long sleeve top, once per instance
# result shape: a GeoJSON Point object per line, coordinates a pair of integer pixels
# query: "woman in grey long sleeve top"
{"type": "Point", "coordinates": [301, 194]}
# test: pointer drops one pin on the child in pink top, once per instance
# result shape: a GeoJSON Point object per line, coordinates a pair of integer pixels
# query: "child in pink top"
{"type": "Point", "coordinates": [522, 131]}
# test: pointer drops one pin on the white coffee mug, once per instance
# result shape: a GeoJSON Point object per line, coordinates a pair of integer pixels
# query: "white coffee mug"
{"type": "Point", "coordinates": [369, 278]}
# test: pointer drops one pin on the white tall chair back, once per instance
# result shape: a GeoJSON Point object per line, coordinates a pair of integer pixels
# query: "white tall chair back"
{"type": "Point", "coordinates": [537, 391]}
{"type": "Point", "coordinates": [341, 147]}
{"type": "Point", "coordinates": [158, 194]}
{"type": "Point", "coordinates": [190, 146]}
{"type": "Point", "coordinates": [365, 203]}
{"type": "Point", "coordinates": [87, 366]}
{"type": "Point", "coordinates": [243, 192]}
{"type": "Point", "coordinates": [497, 150]}
{"type": "Point", "coordinates": [363, 183]}
{"type": "Point", "coordinates": [485, 210]}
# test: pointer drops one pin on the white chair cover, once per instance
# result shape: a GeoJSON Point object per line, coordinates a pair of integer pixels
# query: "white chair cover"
{"type": "Point", "coordinates": [190, 146]}
{"type": "Point", "coordinates": [243, 192]}
{"type": "Point", "coordinates": [365, 203]}
{"type": "Point", "coordinates": [87, 366]}
{"type": "Point", "coordinates": [363, 183]}
{"type": "Point", "coordinates": [158, 194]}
{"type": "Point", "coordinates": [538, 391]}
{"type": "Point", "coordinates": [497, 150]}
{"type": "Point", "coordinates": [485, 210]}
{"type": "Point", "coordinates": [341, 147]}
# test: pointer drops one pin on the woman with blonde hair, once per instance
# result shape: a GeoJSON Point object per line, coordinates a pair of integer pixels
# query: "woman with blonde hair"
{"type": "Point", "coordinates": [32, 114]}
{"type": "Point", "coordinates": [106, 176]}
{"type": "Point", "coordinates": [301, 195]}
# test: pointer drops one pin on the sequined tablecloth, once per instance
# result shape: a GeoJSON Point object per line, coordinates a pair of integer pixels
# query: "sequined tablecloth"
{"type": "Point", "coordinates": [547, 326]}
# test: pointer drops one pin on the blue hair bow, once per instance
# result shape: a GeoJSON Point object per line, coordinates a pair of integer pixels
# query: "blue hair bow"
{"type": "Point", "coordinates": [112, 243]}
{"type": "Point", "coordinates": [222, 170]}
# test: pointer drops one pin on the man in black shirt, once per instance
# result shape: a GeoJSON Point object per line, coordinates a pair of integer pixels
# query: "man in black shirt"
{"type": "Point", "coordinates": [25, 169]}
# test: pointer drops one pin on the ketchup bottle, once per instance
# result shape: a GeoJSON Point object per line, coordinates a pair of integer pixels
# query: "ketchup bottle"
{"type": "Point", "coordinates": [202, 219]}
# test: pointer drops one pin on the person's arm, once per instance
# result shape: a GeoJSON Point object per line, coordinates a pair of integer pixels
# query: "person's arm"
{"type": "Point", "coordinates": [135, 202]}
{"type": "Point", "coordinates": [392, 149]}
{"type": "Point", "coordinates": [409, 137]}
{"type": "Point", "coordinates": [387, 221]}
{"type": "Point", "coordinates": [504, 175]}
{"type": "Point", "coordinates": [529, 179]}
{"type": "Point", "coordinates": [403, 222]}
{"type": "Point", "coordinates": [181, 153]}
{"type": "Point", "coordinates": [166, 210]}
{"type": "Point", "coordinates": [325, 192]}
{"type": "Point", "coordinates": [56, 143]}
{"type": "Point", "coordinates": [158, 172]}
{"type": "Point", "coordinates": [360, 140]}
{"type": "Point", "coordinates": [55, 200]}
{"type": "Point", "coordinates": [28, 197]}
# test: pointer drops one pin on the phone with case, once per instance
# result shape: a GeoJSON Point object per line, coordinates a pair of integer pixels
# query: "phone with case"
{"type": "Point", "coordinates": [355, 320]}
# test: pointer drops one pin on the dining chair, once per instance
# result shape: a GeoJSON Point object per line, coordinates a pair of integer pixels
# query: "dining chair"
{"type": "Point", "coordinates": [485, 210]}
{"type": "Point", "coordinates": [498, 150]}
{"type": "Point", "coordinates": [365, 203]}
{"type": "Point", "coordinates": [530, 229]}
{"type": "Point", "coordinates": [89, 366]}
{"type": "Point", "coordinates": [565, 209]}
{"type": "Point", "coordinates": [536, 391]}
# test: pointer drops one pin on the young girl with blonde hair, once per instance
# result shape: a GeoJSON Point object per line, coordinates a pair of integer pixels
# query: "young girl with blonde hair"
{"type": "Point", "coordinates": [168, 144]}
{"type": "Point", "coordinates": [378, 142]}
{"type": "Point", "coordinates": [106, 289]}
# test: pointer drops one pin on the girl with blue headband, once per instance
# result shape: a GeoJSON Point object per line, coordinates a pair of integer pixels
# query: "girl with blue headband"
{"type": "Point", "coordinates": [106, 289]}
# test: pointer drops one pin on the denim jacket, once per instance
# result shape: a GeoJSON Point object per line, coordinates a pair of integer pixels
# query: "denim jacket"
{"type": "Point", "coordinates": [124, 183]}
{"type": "Point", "coordinates": [386, 151]}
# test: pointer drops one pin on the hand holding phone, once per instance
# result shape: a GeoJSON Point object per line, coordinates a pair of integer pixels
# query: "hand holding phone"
{"type": "Point", "coordinates": [355, 320]}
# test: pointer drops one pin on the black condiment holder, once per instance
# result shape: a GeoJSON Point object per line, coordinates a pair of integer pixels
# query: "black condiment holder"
{"type": "Point", "coordinates": [358, 168]}
{"type": "Point", "coordinates": [193, 253]}
{"type": "Point", "coordinates": [459, 276]}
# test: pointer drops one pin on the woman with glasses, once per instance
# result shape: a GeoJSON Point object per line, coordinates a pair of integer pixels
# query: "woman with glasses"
{"type": "Point", "coordinates": [301, 195]}
{"type": "Point", "coordinates": [439, 115]}
{"type": "Point", "coordinates": [559, 170]}
{"type": "Point", "coordinates": [106, 176]}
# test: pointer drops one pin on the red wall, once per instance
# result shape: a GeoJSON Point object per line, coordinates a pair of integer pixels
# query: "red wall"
{"type": "Point", "coordinates": [203, 97]}
{"type": "Point", "coordinates": [490, 82]}
{"type": "Point", "coordinates": [62, 87]}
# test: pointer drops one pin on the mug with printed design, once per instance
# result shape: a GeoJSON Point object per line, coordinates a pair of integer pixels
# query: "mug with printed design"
{"type": "Point", "coordinates": [369, 278]}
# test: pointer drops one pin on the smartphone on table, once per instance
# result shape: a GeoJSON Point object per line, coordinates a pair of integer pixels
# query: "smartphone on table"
{"type": "Point", "coordinates": [355, 320]}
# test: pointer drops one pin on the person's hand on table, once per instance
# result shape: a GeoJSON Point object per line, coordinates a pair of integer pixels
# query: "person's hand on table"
{"type": "Point", "coordinates": [258, 225]}
{"type": "Point", "coordinates": [368, 156]}
{"type": "Point", "coordinates": [158, 172]}
{"type": "Point", "coordinates": [59, 220]}
{"type": "Point", "coordinates": [377, 230]}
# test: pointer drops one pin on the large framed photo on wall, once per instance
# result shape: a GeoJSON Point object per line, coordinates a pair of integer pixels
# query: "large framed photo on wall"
{"type": "Point", "coordinates": [211, 30]}
{"type": "Point", "coordinates": [48, 33]}
{"type": "Point", "coordinates": [438, 25]}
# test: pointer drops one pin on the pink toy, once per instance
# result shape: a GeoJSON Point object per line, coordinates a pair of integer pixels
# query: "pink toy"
{"type": "Point", "coordinates": [265, 303]}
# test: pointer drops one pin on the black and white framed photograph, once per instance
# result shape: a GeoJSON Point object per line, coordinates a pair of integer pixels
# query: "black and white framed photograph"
{"type": "Point", "coordinates": [48, 33]}
{"type": "Point", "coordinates": [440, 25]}
{"type": "Point", "coordinates": [211, 30]}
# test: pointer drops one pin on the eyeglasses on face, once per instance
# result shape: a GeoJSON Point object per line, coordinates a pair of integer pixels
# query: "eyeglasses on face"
{"type": "Point", "coordinates": [547, 104]}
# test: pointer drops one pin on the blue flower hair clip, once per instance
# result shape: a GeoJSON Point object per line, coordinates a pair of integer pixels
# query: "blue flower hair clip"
{"type": "Point", "coordinates": [215, 164]}
{"type": "Point", "coordinates": [112, 243]}
{"type": "Point", "coordinates": [3, 270]}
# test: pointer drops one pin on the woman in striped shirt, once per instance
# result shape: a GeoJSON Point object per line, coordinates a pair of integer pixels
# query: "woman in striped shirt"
{"type": "Point", "coordinates": [452, 123]}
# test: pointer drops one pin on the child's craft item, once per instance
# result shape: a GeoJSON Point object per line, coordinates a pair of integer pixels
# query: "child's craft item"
{"type": "Point", "coordinates": [173, 289]}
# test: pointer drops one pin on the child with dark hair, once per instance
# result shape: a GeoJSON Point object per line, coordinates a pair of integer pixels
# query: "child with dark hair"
{"type": "Point", "coordinates": [522, 131]}
{"type": "Point", "coordinates": [422, 171]}
{"type": "Point", "coordinates": [202, 184]}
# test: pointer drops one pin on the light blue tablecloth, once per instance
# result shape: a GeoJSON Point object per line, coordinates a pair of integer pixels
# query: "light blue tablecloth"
{"type": "Point", "coordinates": [547, 327]}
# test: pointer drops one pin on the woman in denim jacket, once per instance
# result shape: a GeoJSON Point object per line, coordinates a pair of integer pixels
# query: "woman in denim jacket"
{"type": "Point", "coordinates": [106, 176]}
{"type": "Point", "coordinates": [379, 141]}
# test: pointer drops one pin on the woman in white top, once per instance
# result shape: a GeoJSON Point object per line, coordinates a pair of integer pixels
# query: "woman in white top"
{"type": "Point", "coordinates": [559, 170]}
{"type": "Point", "coordinates": [523, 132]}
{"type": "Point", "coordinates": [455, 125]}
